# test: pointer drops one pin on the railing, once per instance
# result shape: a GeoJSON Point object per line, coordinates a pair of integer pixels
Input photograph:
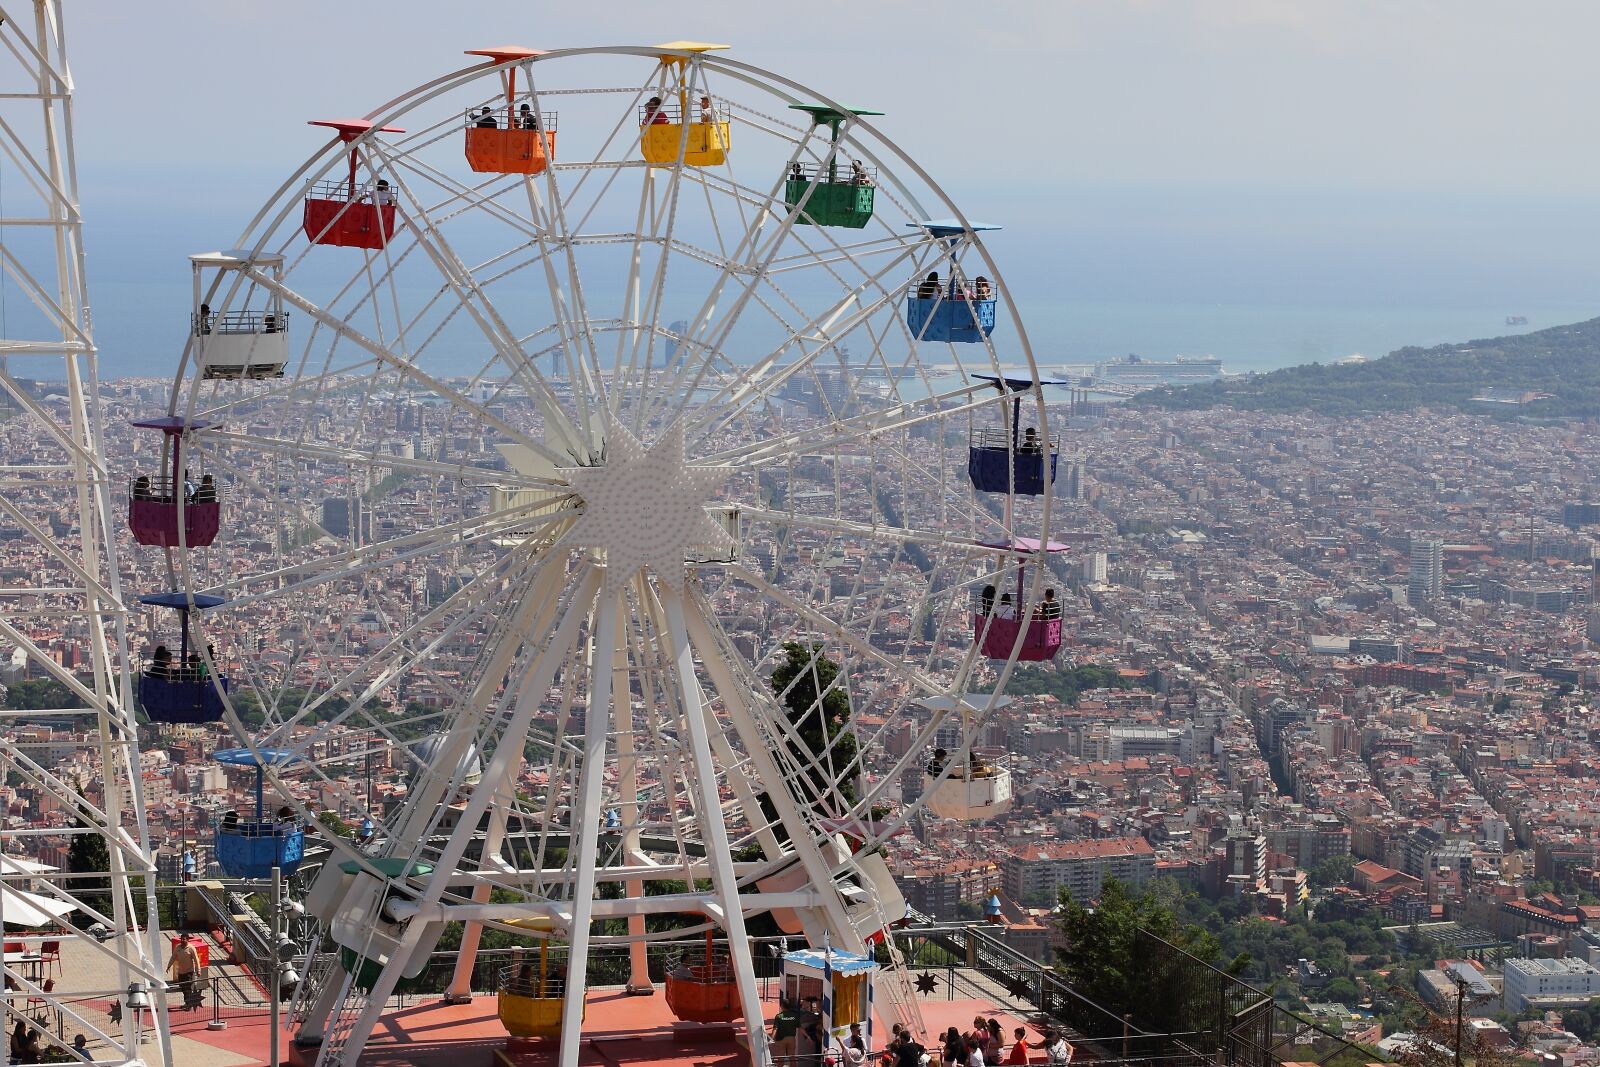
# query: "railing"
{"type": "Point", "coordinates": [1004, 606]}
{"type": "Point", "coordinates": [999, 437]}
{"type": "Point", "coordinates": [837, 173]}
{"type": "Point", "coordinates": [671, 113]}
{"type": "Point", "coordinates": [1241, 1022]}
{"type": "Point", "coordinates": [258, 828]}
{"type": "Point", "coordinates": [237, 322]}
{"type": "Point", "coordinates": [169, 671]}
{"type": "Point", "coordinates": [337, 190]}
{"type": "Point", "coordinates": [164, 490]}
{"type": "Point", "coordinates": [506, 118]}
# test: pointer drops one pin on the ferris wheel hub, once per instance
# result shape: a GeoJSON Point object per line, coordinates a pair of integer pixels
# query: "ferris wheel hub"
{"type": "Point", "coordinates": [645, 507]}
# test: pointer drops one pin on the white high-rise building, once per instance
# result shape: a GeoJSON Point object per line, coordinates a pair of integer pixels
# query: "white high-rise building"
{"type": "Point", "coordinates": [1426, 580]}
{"type": "Point", "coordinates": [1094, 568]}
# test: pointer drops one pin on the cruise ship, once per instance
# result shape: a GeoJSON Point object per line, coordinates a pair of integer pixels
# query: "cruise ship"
{"type": "Point", "coordinates": [1182, 370]}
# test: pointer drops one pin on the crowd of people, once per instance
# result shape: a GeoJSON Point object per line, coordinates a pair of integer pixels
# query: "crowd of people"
{"type": "Point", "coordinates": [798, 1038]}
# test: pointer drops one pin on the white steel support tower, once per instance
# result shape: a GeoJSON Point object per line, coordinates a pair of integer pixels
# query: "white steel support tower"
{"type": "Point", "coordinates": [65, 624]}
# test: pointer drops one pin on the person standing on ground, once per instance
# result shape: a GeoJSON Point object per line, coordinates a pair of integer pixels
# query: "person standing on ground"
{"type": "Point", "coordinates": [1019, 1048]}
{"type": "Point", "coordinates": [185, 967]}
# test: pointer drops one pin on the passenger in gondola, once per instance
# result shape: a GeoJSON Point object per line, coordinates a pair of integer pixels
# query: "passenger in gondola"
{"type": "Point", "coordinates": [936, 765]}
{"type": "Point", "coordinates": [230, 822]}
{"type": "Point", "coordinates": [522, 985]}
{"type": "Point", "coordinates": [205, 318]}
{"type": "Point", "coordinates": [654, 113]}
{"type": "Point", "coordinates": [708, 112]}
{"type": "Point", "coordinates": [161, 663]}
{"type": "Point", "coordinates": [982, 289]}
{"type": "Point", "coordinates": [382, 194]}
{"type": "Point", "coordinates": [796, 173]}
{"type": "Point", "coordinates": [858, 174]}
{"type": "Point", "coordinates": [486, 120]}
{"type": "Point", "coordinates": [206, 492]}
{"type": "Point", "coordinates": [1007, 610]}
{"type": "Point", "coordinates": [556, 985]}
{"type": "Point", "coordinates": [527, 118]}
{"type": "Point", "coordinates": [194, 670]}
{"type": "Point", "coordinates": [1051, 607]}
{"type": "Point", "coordinates": [269, 323]}
{"type": "Point", "coordinates": [141, 488]}
{"type": "Point", "coordinates": [188, 487]}
{"type": "Point", "coordinates": [929, 289]}
{"type": "Point", "coordinates": [1030, 442]}
{"type": "Point", "coordinates": [286, 815]}
{"type": "Point", "coordinates": [986, 601]}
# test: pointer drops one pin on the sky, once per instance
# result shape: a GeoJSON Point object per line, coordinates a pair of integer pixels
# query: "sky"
{"type": "Point", "coordinates": [1209, 175]}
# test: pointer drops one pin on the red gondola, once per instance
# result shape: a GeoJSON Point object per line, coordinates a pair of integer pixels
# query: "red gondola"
{"type": "Point", "coordinates": [340, 212]}
{"type": "Point", "coordinates": [1000, 616]}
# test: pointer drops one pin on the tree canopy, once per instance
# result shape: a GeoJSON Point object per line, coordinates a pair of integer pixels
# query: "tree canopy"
{"type": "Point", "coordinates": [813, 694]}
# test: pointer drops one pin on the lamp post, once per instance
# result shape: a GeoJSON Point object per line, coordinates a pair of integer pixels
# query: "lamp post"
{"type": "Point", "coordinates": [277, 966]}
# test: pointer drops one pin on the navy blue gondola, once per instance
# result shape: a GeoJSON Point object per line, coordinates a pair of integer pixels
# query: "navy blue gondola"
{"type": "Point", "coordinates": [250, 848]}
{"type": "Point", "coordinates": [953, 311]}
{"type": "Point", "coordinates": [171, 691]}
{"type": "Point", "coordinates": [1012, 461]}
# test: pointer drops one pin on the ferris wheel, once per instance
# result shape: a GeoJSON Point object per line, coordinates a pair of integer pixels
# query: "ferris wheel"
{"type": "Point", "coordinates": [581, 469]}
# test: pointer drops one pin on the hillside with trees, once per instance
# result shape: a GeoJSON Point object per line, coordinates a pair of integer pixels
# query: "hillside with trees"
{"type": "Point", "coordinates": [1563, 361]}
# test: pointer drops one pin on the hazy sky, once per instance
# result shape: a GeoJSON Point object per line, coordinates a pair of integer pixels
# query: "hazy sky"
{"type": "Point", "coordinates": [1350, 153]}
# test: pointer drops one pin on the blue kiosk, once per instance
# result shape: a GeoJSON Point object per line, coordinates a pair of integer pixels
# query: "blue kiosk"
{"type": "Point", "coordinates": [951, 310]}
{"type": "Point", "coordinates": [181, 690]}
{"type": "Point", "coordinates": [250, 848]}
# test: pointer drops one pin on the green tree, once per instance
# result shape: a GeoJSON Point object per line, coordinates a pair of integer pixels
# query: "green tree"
{"type": "Point", "coordinates": [88, 854]}
{"type": "Point", "coordinates": [1109, 960]}
{"type": "Point", "coordinates": [1335, 870]}
{"type": "Point", "coordinates": [39, 694]}
{"type": "Point", "coordinates": [808, 684]}
{"type": "Point", "coordinates": [1342, 990]}
{"type": "Point", "coordinates": [333, 823]}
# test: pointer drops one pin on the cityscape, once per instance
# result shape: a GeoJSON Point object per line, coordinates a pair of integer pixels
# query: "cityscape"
{"type": "Point", "coordinates": [607, 578]}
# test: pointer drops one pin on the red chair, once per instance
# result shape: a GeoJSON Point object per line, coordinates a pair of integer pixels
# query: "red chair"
{"type": "Point", "coordinates": [50, 952]}
{"type": "Point", "coordinates": [16, 946]}
{"type": "Point", "coordinates": [41, 1005]}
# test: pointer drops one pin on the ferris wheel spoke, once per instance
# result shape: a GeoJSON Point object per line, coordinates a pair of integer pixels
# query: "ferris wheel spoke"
{"type": "Point", "coordinates": [482, 312]}
{"type": "Point", "coordinates": [404, 368]}
{"type": "Point", "coordinates": [300, 450]}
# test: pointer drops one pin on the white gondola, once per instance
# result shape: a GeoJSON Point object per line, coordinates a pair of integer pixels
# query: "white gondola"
{"type": "Point", "coordinates": [251, 339]}
{"type": "Point", "coordinates": [963, 787]}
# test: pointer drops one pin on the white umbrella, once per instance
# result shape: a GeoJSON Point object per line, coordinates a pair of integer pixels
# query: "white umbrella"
{"type": "Point", "coordinates": [18, 865]}
{"type": "Point", "coordinates": [30, 909]}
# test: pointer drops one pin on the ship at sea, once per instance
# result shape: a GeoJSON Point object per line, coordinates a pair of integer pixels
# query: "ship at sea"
{"type": "Point", "coordinates": [1182, 370]}
{"type": "Point", "coordinates": [1516, 320]}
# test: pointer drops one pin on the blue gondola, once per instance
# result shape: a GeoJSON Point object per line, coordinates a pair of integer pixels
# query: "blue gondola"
{"type": "Point", "coordinates": [951, 310]}
{"type": "Point", "coordinates": [178, 690]}
{"type": "Point", "coordinates": [250, 848]}
{"type": "Point", "coordinates": [1012, 461]}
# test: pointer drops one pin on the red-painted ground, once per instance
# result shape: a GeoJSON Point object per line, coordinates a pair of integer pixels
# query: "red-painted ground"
{"type": "Point", "coordinates": [619, 1031]}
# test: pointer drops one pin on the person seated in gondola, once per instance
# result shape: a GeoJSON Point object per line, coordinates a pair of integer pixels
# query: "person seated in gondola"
{"type": "Point", "coordinates": [382, 194]}
{"type": "Point", "coordinates": [796, 173]}
{"type": "Point", "coordinates": [555, 984]}
{"type": "Point", "coordinates": [527, 118]}
{"type": "Point", "coordinates": [286, 815]}
{"type": "Point", "coordinates": [206, 491]}
{"type": "Point", "coordinates": [1007, 610]}
{"type": "Point", "coordinates": [486, 120]}
{"type": "Point", "coordinates": [141, 488]}
{"type": "Point", "coordinates": [708, 112]}
{"type": "Point", "coordinates": [986, 601]}
{"type": "Point", "coordinates": [205, 318]}
{"type": "Point", "coordinates": [929, 289]}
{"type": "Point", "coordinates": [982, 289]}
{"type": "Point", "coordinates": [525, 982]}
{"type": "Point", "coordinates": [858, 174]}
{"type": "Point", "coordinates": [936, 765]}
{"type": "Point", "coordinates": [188, 482]}
{"type": "Point", "coordinates": [269, 323]}
{"type": "Point", "coordinates": [194, 668]}
{"type": "Point", "coordinates": [161, 663]}
{"type": "Point", "coordinates": [1030, 442]}
{"type": "Point", "coordinates": [230, 822]}
{"type": "Point", "coordinates": [1049, 608]}
{"type": "Point", "coordinates": [654, 113]}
